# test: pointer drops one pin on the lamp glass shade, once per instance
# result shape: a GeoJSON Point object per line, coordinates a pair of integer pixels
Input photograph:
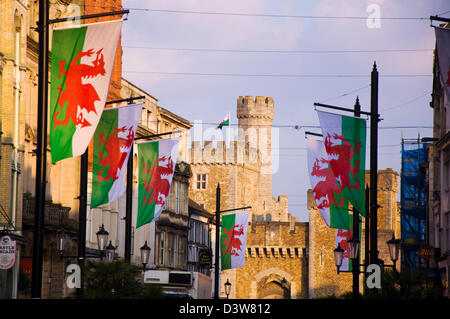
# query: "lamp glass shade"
{"type": "Point", "coordinates": [394, 247]}
{"type": "Point", "coordinates": [102, 238]}
{"type": "Point", "coordinates": [353, 247]}
{"type": "Point", "coordinates": [227, 287]}
{"type": "Point", "coordinates": [145, 253]}
{"type": "Point", "coordinates": [110, 252]}
{"type": "Point", "coordinates": [61, 241]}
{"type": "Point", "coordinates": [338, 256]}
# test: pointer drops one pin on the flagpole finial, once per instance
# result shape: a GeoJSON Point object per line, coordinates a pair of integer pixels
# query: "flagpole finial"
{"type": "Point", "coordinates": [374, 65]}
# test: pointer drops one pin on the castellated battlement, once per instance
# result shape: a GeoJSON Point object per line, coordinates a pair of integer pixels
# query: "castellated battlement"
{"type": "Point", "coordinates": [236, 153]}
{"type": "Point", "coordinates": [259, 107]}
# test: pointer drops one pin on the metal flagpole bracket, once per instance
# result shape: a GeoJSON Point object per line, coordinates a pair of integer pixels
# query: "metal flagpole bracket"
{"type": "Point", "coordinates": [89, 16]}
{"type": "Point", "coordinates": [129, 100]}
{"type": "Point", "coordinates": [312, 133]}
{"type": "Point", "coordinates": [233, 209]}
{"type": "Point", "coordinates": [343, 109]}
{"type": "Point", "coordinates": [436, 18]}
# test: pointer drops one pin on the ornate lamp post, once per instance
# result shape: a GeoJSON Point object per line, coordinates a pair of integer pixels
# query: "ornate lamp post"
{"type": "Point", "coordinates": [145, 254]}
{"type": "Point", "coordinates": [227, 288]}
{"type": "Point", "coordinates": [110, 252]}
{"type": "Point", "coordinates": [338, 257]}
{"type": "Point", "coordinates": [394, 248]}
{"type": "Point", "coordinates": [102, 238]}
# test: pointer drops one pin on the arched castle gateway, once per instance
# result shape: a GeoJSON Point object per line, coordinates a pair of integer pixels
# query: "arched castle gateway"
{"type": "Point", "coordinates": [276, 256]}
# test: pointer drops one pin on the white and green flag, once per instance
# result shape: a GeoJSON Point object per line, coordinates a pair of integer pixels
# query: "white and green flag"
{"type": "Point", "coordinates": [82, 60]}
{"type": "Point", "coordinates": [332, 206]}
{"type": "Point", "coordinates": [345, 145]}
{"type": "Point", "coordinates": [233, 237]}
{"type": "Point", "coordinates": [225, 122]}
{"type": "Point", "coordinates": [113, 140]}
{"type": "Point", "coordinates": [157, 160]}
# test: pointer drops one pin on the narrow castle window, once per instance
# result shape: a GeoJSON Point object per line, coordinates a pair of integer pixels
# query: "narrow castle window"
{"type": "Point", "coordinates": [201, 181]}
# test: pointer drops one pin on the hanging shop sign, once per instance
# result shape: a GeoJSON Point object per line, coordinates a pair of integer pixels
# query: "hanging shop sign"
{"type": "Point", "coordinates": [205, 258]}
{"type": "Point", "coordinates": [7, 252]}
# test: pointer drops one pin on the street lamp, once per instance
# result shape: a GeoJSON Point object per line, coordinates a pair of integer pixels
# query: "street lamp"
{"type": "Point", "coordinates": [338, 256]}
{"type": "Point", "coordinates": [394, 247]}
{"type": "Point", "coordinates": [102, 238]}
{"type": "Point", "coordinates": [353, 247]}
{"type": "Point", "coordinates": [145, 254]}
{"type": "Point", "coordinates": [227, 288]}
{"type": "Point", "coordinates": [61, 241]}
{"type": "Point", "coordinates": [110, 251]}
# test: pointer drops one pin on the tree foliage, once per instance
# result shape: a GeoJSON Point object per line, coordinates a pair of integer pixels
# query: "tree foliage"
{"type": "Point", "coordinates": [116, 280]}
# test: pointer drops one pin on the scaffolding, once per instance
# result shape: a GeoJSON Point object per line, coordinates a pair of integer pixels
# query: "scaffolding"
{"type": "Point", "coordinates": [413, 201]}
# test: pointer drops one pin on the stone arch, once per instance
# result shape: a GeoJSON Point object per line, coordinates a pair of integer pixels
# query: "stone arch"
{"type": "Point", "coordinates": [273, 283]}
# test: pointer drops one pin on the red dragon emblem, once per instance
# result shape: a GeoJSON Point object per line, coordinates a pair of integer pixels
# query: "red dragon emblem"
{"type": "Point", "coordinates": [116, 154]}
{"type": "Point", "coordinates": [232, 243]}
{"type": "Point", "coordinates": [77, 94]}
{"type": "Point", "coordinates": [158, 181]}
{"type": "Point", "coordinates": [343, 235]}
{"type": "Point", "coordinates": [335, 177]}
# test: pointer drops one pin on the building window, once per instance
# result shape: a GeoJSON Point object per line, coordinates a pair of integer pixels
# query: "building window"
{"type": "Point", "coordinates": [170, 249]}
{"type": "Point", "coordinates": [182, 252]}
{"type": "Point", "coordinates": [161, 248]}
{"type": "Point", "coordinates": [201, 181]}
{"type": "Point", "coordinates": [175, 251]}
{"type": "Point", "coordinates": [177, 198]}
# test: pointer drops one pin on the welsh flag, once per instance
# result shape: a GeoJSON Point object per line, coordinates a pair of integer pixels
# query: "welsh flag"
{"type": "Point", "coordinates": [326, 189]}
{"type": "Point", "coordinates": [81, 66]}
{"type": "Point", "coordinates": [113, 140]}
{"type": "Point", "coordinates": [157, 161]}
{"type": "Point", "coordinates": [443, 55]}
{"type": "Point", "coordinates": [345, 145]}
{"type": "Point", "coordinates": [233, 239]}
{"type": "Point", "coordinates": [225, 122]}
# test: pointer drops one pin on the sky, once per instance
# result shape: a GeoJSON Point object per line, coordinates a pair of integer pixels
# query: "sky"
{"type": "Point", "coordinates": [198, 56]}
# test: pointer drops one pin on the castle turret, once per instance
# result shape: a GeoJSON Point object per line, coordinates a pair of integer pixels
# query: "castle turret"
{"type": "Point", "coordinates": [255, 118]}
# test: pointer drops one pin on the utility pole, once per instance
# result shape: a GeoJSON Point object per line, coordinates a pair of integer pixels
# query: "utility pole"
{"type": "Point", "coordinates": [374, 164]}
{"type": "Point", "coordinates": [41, 151]}
{"type": "Point", "coordinates": [216, 256]}
{"type": "Point", "coordinates": [355, 262]}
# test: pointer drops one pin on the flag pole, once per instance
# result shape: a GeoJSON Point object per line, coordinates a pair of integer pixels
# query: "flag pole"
{"type": "Point", "coordinates": [82, 216]}
{"type": "Point", "coordinates": [41, 151]}
{"type": "Point", "coordinates": [129, 189]}
{"type": "Point", "coordinates": [217, 266]}
{"type": "Point", "coordinates": [355, 262]}
{"type": "Point", "coordinates": [374, 119]}
{"type": "Point", "coordinates": [217, 253]}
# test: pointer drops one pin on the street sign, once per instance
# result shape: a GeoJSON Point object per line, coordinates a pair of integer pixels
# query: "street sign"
{"type": "Point", "coordinates": [7, 252]}
{"type": "Point", "coordinates": [426, 252]}
{"type": "Point", "coordinates": [205, 258]}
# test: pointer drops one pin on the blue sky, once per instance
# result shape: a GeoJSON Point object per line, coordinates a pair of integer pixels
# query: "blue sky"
{"type": "Point", "coordinates": [403, 101]}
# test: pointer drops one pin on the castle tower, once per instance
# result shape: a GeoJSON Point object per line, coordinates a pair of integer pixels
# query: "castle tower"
{"type": "Point", "coordinates": [255, 118]}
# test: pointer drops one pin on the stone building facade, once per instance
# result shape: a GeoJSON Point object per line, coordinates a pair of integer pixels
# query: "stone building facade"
{"type": "Point", "coordinates": [323, 278]}
{"type": "Point", "coordinates": [438, 178]}
{"type": "Point", "coordinates": [276, 262]}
